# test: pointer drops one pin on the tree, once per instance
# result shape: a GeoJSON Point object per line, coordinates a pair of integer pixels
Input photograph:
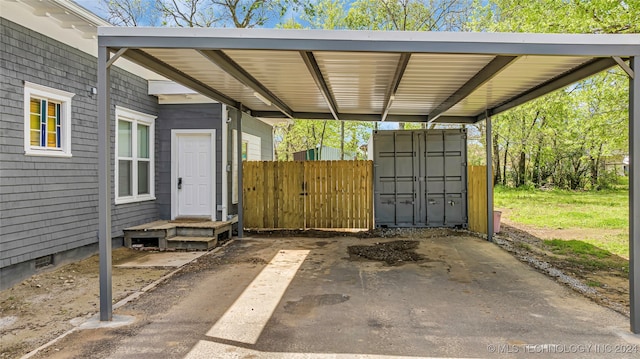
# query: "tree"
{"type": "Point", "coordinates": [196, 13]}
{"type": "Point", "coordinates": [409, 15]}
{"type": "Point", "coordinates": [564, 137]}
{"type": "Point", "coordinates": [132, 12]}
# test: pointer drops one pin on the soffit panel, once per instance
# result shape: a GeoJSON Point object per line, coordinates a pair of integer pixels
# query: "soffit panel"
{"type": "Point", "coordinates": [524, 74]}
{"type": "Point", "coordinates": [197, 66]}
{"type": "Point", "coordinates": [285, 74]}
{"type": "Point", "coordinates": [358, 81]}
{"type": "Point", "coordinates": [431, 78]}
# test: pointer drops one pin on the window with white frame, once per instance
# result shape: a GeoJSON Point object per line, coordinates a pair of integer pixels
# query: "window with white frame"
{"type": "Point", "coordinates": [47, 121]}
{"type": "Point", "coordinates": [134, 156]}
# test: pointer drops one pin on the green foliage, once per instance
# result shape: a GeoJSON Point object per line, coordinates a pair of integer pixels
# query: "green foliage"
{"type": "Point", "coordinates": [305, 134]}
{"type": "Point", "coordinates": [556, 16]}
{"type": "Point", "coordinates": [558, 209]}
{"type": "Point", "coordinates": [560, 246]}
{"type": "Point", "coordinates": [565, 138]}
{"type": "Point", "coordinates": [586, 255]}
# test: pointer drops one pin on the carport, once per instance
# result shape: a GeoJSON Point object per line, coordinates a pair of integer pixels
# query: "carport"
{"type": "Point", "coordinates": [366, 76]}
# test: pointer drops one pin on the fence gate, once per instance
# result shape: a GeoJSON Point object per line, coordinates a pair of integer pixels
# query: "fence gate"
{"type": "Point", "coordinates": [310, 194]}
{"type": "Point", "coordinates": [420, 178]}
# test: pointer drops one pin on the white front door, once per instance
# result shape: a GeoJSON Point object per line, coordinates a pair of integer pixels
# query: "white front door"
{"type": "Point", "coordinates": [194, 175]}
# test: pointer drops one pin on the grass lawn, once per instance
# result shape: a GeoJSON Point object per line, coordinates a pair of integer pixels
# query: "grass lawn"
{"type": "Point", "coordinates": [604, 215]}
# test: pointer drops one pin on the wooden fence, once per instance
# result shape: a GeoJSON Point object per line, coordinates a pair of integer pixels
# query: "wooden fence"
{"type": "Point", "coordinates": [310, 194]}
{"type": "Point", "coordinates": [477, 198]}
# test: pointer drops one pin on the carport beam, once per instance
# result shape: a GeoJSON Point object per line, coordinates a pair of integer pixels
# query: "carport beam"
{"type": "Point", "coordinates": [634, 196]}
{"type": "Point", "coordinates": [240, 191]}
{"type": "Point", "coordinates": [104, 183]}
{"type": "Point", "coordinates": [489, 147]}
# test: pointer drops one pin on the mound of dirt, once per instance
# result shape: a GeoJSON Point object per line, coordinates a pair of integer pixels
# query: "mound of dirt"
{"type": "Point", "coordinates": [392, 253]}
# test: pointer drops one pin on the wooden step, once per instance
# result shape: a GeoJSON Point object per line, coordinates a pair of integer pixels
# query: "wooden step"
{"type": "Point", "coordinates": [199, 235]}
{"type": "Point", "coordinates": [192, 243]}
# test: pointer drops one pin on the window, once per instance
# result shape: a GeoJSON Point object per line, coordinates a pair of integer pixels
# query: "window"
{"type": "Point", "coordinates": [134, 156]}
{"type": "Point", "coordinates": [47, 121]}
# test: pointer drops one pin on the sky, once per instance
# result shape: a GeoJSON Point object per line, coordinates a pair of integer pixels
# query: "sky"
{"type": "Point", "coordinates": [97, 7]}
{"type": "Point", "coordinates": [92, 5]}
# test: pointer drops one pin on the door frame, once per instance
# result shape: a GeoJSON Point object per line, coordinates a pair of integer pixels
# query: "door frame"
{"type": "Point", "coordinates": [174, 168]}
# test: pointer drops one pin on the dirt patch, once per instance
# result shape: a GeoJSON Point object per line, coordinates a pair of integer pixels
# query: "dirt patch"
{"type": "Point", "coordinates": [309, 302]}
{"type": "Point", "coordinates": [39, 309]}
{"type": "Point", "coordinates": [392, 253]}
{"type": "Point", "coordinates": [418, 233]}
{"type": "Point", "coordinates": [604, 280]}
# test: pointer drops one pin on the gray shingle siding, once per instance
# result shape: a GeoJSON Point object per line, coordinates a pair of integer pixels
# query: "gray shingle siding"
{"type": "Point", "coordinates": [184, 117]}
{"type": "Point", "coordinates": [48, 204]}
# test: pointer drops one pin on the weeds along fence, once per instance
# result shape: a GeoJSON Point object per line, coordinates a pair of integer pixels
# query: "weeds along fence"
{"type": "Point", "coordinates": [309, 194]}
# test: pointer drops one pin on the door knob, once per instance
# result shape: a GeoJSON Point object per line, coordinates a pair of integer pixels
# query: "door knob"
{"type": "Point", "coordinates": [179, 182]}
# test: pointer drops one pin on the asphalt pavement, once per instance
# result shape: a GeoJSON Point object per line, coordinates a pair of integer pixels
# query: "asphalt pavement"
{"type": "Point", "coordinates": [309, 298]}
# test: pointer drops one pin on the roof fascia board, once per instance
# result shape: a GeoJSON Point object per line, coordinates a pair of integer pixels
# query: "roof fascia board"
{"type": "Point", "coordinates": [485, 74]}
{"type": "Point", "coordinates": [374, 41]}
{"type": "Point", "coordinates": [364, 117]}
{"type": "Point", "coordinates": [588, 69]}
{"type": "Point", "coordinates": [229, 66]}
{"type": "Point", "coordinates": [145, 60]}
{"type": "Point", "coordinates": [314, 69]}
{"type": "Point", "coordinates": [164, 87]}
{"type": "Point", "coordinates": [395, 83]}
{"type": "Point", "coordinates": [81, 12]}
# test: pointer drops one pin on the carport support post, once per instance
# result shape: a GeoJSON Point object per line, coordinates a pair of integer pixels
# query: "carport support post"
{"type": "Point", "coordinates": [489, 148]}
{"type": "Point", "coordinates": [240, 191]}
{"type": "Point", "coordinates": [104, 183]}
{"type": "Point", "coordinates": [634, 195]}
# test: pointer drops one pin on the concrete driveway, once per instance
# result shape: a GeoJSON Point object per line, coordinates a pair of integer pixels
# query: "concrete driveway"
{"type": "Point", "coordinates": [306, 298]}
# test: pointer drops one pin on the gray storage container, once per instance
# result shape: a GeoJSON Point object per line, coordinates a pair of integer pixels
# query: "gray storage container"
{"type": "Point", "coordinates": [420, 178]}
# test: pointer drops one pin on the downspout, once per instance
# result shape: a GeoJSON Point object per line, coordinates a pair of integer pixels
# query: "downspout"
{"type": "Point", "coordinates": [223, 163]}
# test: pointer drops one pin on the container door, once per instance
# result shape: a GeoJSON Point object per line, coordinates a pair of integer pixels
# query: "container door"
{"type": "Point", "coordinates": [435, 178]}
{"type": "Point", "coordinates": [395, 177]}
{"type": "Point", "coordinates": [455, 178]}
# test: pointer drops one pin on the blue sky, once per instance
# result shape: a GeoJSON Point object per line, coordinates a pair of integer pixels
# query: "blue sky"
{"type": "Point", "coordinates": [92, 5]}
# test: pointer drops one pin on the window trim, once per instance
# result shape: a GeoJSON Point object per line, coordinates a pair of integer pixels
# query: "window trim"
{"type": "Point", "coordinates": [48, 93]}
{"type": "Point", "coordinates": [135, 117]}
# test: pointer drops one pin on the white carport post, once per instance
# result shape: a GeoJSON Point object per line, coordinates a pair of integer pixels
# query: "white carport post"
{"type": "Point", "coordinates": [104, 182]}
{"type": "Point", "coordinates": [488, 149]}
{"type": "Point", "coordinates": [240, 172]}
{"type": "Point", "coordinates": [634, 195]}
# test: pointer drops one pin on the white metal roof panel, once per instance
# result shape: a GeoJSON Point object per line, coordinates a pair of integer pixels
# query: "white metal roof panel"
{"type": "Point", "coordinates": [448, 74]}
{"type": "Point", "coordinates": [285, 74]}
{"type": "Point", "coordinates": [431, 78]}
{"type": "Point", "coordinates": [524, 73]}
{"type": "Point", "coordinates": [197, 66]}
{"type": "Point", "coordinates": [359, 81]}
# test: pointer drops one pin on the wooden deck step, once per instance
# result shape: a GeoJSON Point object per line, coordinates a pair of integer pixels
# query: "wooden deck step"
{"type": "Point", "coordinates": [199, 234]}
{"type": "Point", "coordinates": [197, 243]}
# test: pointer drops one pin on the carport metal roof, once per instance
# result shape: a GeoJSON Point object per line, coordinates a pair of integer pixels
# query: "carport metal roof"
{"type": "Point", "coordinates": [366, 75]}
{"type": "Point", "coordinates": [370, 76]}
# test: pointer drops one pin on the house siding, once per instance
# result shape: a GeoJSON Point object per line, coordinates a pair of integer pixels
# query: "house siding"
{"type": "Point", "coordinates": [184, 117]}
{"type": "Point", "coordinates": [252, 126]}
{"type": "Point", "coordinates": [49, 205]}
